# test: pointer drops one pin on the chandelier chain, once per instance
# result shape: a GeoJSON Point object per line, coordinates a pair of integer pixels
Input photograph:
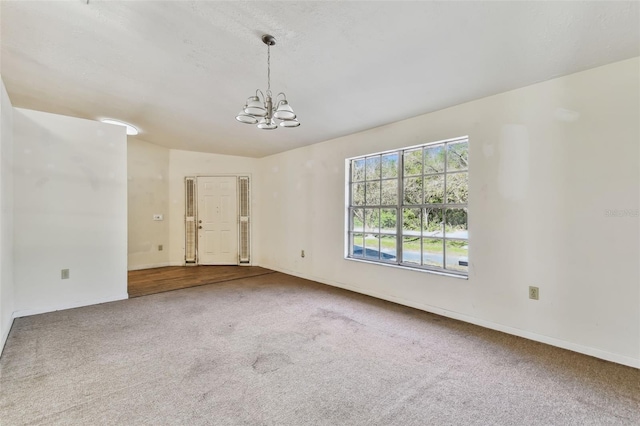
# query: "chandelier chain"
{"type": "Point", "coordinates": [268, 68]}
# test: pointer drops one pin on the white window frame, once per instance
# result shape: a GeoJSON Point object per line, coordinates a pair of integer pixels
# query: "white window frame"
{"type": "Point", "coordinates": [399, 206]}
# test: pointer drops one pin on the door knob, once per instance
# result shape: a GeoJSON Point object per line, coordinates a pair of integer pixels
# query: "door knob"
{"type": "Point", "coordinates": [199, 227]}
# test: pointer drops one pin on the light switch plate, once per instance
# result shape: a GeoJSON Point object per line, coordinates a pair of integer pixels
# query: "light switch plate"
{"type": "Point", "coordinates": [158, 217]}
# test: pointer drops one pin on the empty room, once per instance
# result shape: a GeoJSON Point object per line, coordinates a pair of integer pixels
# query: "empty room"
{"type": "Point", "coordinates": [319, 212]}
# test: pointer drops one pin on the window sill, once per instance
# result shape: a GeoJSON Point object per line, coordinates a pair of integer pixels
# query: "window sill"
{"type": "Point", "coordinates": [404, 267]}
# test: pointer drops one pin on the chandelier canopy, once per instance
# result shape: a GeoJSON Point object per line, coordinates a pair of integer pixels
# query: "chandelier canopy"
{"type": "Point", "coordinates": [260, 109]}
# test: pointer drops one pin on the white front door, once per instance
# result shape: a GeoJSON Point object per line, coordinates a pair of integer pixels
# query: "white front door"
{"type": "Point", "coordinates": [217, 221]}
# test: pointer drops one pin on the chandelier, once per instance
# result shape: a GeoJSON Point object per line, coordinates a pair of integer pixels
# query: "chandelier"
{"type": "Point", "coordinates": [260, 110]}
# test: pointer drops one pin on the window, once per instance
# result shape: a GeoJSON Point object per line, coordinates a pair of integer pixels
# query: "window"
{"type": "Point", "coordinates": [409, 207]}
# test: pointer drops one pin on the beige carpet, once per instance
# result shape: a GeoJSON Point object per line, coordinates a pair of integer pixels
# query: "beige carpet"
{"type": "Point", "coordinates": [278, 350]}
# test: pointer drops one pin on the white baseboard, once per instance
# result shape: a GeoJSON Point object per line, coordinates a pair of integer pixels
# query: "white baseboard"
{"type": "Point", "coordinates": [150, 266]}
{"type": "Point", "coordinates": [70, 305]}
{"type": "Point", "coordinates": [586, 350]}
{"type": "Point", "coordinates": [5, 335]}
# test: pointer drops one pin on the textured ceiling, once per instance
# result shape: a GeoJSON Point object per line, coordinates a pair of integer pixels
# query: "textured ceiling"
{"type": "Point", "coordinates": [181, 71]}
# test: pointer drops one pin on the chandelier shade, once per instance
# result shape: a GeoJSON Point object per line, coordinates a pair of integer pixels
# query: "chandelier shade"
{"type": "Point", "coordinates": [284, 111]}
{"type": "Point", "coordinates": [289, 123]}
{"type": "Point", "coordinates": [259, 108]}
{"type": "Point", "coordinates": [243, 117]}
{"type": "Point", "coordinates": [267, 124]}
{"type": "Point", "coordinates": [255, 107]}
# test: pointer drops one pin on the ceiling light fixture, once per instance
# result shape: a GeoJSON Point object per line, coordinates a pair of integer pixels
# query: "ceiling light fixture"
{"type": "Point", "coordinates": [131, 131]}
{"type": "Point", "coordinates": [260, 111]}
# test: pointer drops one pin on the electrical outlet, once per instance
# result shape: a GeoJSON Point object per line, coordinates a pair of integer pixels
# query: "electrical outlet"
{"type": "Point", "coordinates": [159, 247]}
{"type": "Point", "coordinates": [301, 253]}
{"type": "Point", "coordinates": [158, 217]}
{"type": "Point", "coordinates": [534, 293]}
{"type": "Point", "coordinates": [64, 274]}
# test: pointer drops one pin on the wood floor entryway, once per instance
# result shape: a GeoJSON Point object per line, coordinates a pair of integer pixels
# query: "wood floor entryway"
{"type": "Point", "coordinates": [158, 280]}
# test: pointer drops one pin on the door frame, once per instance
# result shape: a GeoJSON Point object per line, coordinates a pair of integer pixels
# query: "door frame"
{"type": "Point", "coordinates": [236, 175]}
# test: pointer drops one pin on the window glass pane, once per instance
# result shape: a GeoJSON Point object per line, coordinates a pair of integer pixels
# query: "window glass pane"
{"type": "Point", "coordinates": [413, 162]}
{"type": "Point", "coordinates": [434, 159]}
{"type": "Point", "coordinates": [457, 156]}
{"type": "Point", "coordinates": [456, 223]}
{"type": "Point", "coordinates": [373, 193]}
{"type": "Point", "coordinates": [357, 170]}
{"type": "Point", "coordinates": [413, 190]}
{"type": "Point", "coordinates": [390, 165]}
{"type": "Point", "coordinates": [372, 220]}
{"type": "Point", "coordinates": [432, 252]}
{"type": "Point", "coordinates": [434, 189]}
{"type": "Point", "coordinates": [388, 220]}
{"type": "Point", "coordinates": [427, 199]}
{"type": "Point", "coordinates": [389, 192]}
{"type": "Point", "coordinates": [458, 255]}
{"type": "Point", "coordinates": [388, 250]}
{"type": "Point", "coordinates": [373, 167]}
{"type": "Point", "coordinates": [432, 222]}
{"type": "Point", "coordinates": [457, 188]}
{"type": "Point", "coordinates": [357, 242]}
{"type": "Point", "coordinates": [357, 194]}
{"type": "Point", "coordinates": [411, 250]}
{"type": "Point", "coordinates": [411, 222]}
{"type": "Point", "coordinates": [357, 220]}
{"type": "Point", "coordinates": [372, 247]}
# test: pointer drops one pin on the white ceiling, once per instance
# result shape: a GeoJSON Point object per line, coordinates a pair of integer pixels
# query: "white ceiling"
{"type": "Point", "coordinates": [181, 71]}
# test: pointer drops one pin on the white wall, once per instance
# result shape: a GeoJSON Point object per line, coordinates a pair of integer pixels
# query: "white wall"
{"type": "Point", "coordinates": [7, 295]}
{"type": "Point", "coordinates": [148, 194]}
{"type": "Point", "coordinates": [546, 162]}
{"type": "Point", "coordinates": [187, 163]}
{"type": "Point", "coordinates": [70, 201]}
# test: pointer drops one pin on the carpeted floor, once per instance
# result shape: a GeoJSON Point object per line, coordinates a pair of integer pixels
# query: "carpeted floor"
{"type": "Point", "coordinates": [275, 349]}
